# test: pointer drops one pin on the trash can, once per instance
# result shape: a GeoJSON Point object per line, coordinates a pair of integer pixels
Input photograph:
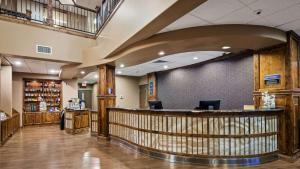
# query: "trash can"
{"type": "Point", "coordinates": [62, 120]}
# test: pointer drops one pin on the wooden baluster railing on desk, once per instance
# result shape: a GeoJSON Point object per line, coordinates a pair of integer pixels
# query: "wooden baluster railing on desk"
{"type": "Point", "coordinates": [94, 123]}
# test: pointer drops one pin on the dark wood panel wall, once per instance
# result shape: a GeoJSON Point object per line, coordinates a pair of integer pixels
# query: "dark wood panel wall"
{"type": "Point", "coordinates": [282, 60]}
{"type": "Point", "coordinates": [152, 86]}
{"type": "Point", "coordinates": [106, 96]}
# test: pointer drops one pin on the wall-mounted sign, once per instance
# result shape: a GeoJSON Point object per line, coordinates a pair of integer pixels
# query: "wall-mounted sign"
{"type": "Point", "coordinates": [110, 91]}
{"type": "Point", "coordinates": [272, 79]}
{"type": "Point", "coordinates": [151, 87]}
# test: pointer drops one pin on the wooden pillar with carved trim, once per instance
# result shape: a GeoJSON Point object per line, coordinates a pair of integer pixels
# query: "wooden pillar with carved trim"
{"type": "Point", "coordinates": [277, 70]}
{"type": "Point", "coordinates": [152, 87]}
{"type": "Point", "coordinates": [49, 19]}
{"type": "Point", "coordinates": [106, 96]}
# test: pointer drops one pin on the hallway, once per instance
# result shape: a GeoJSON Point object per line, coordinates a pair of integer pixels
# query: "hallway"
{"type": "Point", "coordinates": [50, 148]}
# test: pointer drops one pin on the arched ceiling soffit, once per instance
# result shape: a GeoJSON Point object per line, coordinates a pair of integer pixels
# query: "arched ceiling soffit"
{"type": "Point", "coordinates": [202, 38]}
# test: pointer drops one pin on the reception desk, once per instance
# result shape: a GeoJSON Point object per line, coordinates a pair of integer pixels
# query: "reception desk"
{"type": "Point", "coordinates": [237, 137]}
{"type": "Point", "coordinates": [76, 121]}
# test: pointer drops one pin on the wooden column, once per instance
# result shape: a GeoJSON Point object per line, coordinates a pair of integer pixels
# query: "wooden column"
{"type": "Point", "coordinates": [50, 12]}
{"type": "Point", "coordinates": [106, 96]}
{"type": "Point", "coordinates": [282, 60]}
{"type": "Point", "coordinates": [152, 87]}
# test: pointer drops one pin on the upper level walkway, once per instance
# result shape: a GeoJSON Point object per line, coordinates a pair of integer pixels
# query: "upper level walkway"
{"type": "Point", "coordinates": [48, 147]}
{"type": "Point", "coordinates": [52, 13]}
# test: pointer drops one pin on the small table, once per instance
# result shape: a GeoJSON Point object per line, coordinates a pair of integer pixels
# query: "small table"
{"type": "Point", "coordinates": [76, 121]}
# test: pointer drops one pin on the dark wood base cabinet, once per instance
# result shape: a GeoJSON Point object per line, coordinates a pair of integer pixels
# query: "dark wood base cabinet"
{"type": "Point", "coordinates": [40, 118]}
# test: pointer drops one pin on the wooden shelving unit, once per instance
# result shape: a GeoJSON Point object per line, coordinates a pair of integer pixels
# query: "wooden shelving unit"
{"type": "Point", "coordinates": [36, 90]}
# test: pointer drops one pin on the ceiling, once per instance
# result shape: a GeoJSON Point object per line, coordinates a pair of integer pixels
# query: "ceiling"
{"type": "Point", "coordinates": [35, 66]}
{"type": "Point", "coordinates": [172, 61]}
{"type": "Point", "coordinates": [90, 78]}
{"type": "Point", "coordinates": [282, 14]}
{"type": "Point", "coordinates": [91, 4]}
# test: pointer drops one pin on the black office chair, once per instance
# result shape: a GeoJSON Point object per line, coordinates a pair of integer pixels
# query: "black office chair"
{"type": "Point", "coordinates": [209, 105]}
{"type": "Point", "coordinates": [155, 105]}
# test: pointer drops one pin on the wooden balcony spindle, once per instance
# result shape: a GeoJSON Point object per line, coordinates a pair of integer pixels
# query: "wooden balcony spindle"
{"type": "Point", "coordinates": [50, 13]}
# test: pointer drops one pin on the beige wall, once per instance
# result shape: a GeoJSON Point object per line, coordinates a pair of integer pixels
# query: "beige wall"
{"type": "Point", "coordinates": [70, 89]}
{"type": "Point", "coordinates": [128, 88]}
{"type": "Point", "coordinates": [143, 80]}
{"type": "Point", "coordinates": [21, 40]}
{"type": "Point", "coordinates": [113, 34]}
{"type": "Point", "coordinates": [6, 89]}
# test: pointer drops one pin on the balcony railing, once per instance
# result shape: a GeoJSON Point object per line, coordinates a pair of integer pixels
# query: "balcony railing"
{"type": "Point", "coordinates": [53, 13]}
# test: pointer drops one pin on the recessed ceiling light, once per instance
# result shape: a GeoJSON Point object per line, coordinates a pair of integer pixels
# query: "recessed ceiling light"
{"type": "Point", "coordinates": [122, 65]}
{"type": "Point", "coordinates": [161, 53]}
{"type": "Point", "coordinates": [119, 72]}
{"type": "Point", "coordinates": [96, 76]}
{"type": "Point", "coordinates": [195, 58]}
{"type": "Point", "coordinates": [52, 71]}
{"type": "Point", "coordinates": [82, 72]}
{"type": "Point", "coordinates": [226, 47]}
{"type": "Point", "coordinates": [18, 63]}
{"type": "Point", "coordinates": [166, 67]}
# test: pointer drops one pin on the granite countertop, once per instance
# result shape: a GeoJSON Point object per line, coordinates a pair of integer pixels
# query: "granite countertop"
{"type": "Point", "coordinates": [201, 111]}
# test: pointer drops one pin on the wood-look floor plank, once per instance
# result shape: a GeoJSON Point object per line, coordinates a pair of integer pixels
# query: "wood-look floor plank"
{"type": "Point", "coordinates": [49, 148]}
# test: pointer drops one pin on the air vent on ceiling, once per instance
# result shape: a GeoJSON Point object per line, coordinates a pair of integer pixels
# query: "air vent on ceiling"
{"type": "Point", "coordinates": [43, 49]}
{"type": "Point", "coordinates": [160, 61]}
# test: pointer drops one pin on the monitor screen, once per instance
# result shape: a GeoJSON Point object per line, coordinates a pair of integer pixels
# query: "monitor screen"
{"type": "Point", "coordinates": [155, 105]}
{"type": "Point", "coordinates": [210, 105]}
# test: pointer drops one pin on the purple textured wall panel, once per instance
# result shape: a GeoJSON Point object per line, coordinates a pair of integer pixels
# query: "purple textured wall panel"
{"type": "Point", "coordinates": [229, 80]}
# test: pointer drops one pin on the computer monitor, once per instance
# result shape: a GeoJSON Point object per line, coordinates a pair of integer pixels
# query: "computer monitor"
{"type": "Point", "coordinates": [155, 105]}
{"type": "Point", "coordinates": [210, 105]}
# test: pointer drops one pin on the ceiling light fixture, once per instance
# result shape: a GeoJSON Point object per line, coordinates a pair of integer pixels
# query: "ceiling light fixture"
{"type": "Point", "coordinates": [226, 47]}
{"type": "Point", "coordinates": [96, 76]}
{"type": "Point", "coordinates": [82, 72]}
{"type": "Point", "coordinates": [161, 53]}
{"type": "Point", "coordinates": [122, 65]}
{"type": "Point", "coordinates": [119, 72]}
{"type": "Point", "coordinates": [18, 63]}
{"type": "Point", "coordinates": [166, 67]}
{"type": "Point", "coordinates": [52, 71]}
{"type": "Point", "coordinates": [195, 58]}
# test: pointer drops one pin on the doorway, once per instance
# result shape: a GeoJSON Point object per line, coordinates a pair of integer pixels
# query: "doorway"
{"type": "Point", "coordinates": [143, 96]}
{"type": "Point", "coordinates": [86, 95]}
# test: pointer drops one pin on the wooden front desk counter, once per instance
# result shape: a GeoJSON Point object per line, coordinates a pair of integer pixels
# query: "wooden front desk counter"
{"type": "Point", "coordinates": [231, 137]}
{"type": "Point", "coordinates": [76, 121]}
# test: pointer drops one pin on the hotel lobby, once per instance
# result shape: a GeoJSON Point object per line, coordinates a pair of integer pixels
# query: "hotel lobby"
{"type": "Point", "coordinates": [104, 84]}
